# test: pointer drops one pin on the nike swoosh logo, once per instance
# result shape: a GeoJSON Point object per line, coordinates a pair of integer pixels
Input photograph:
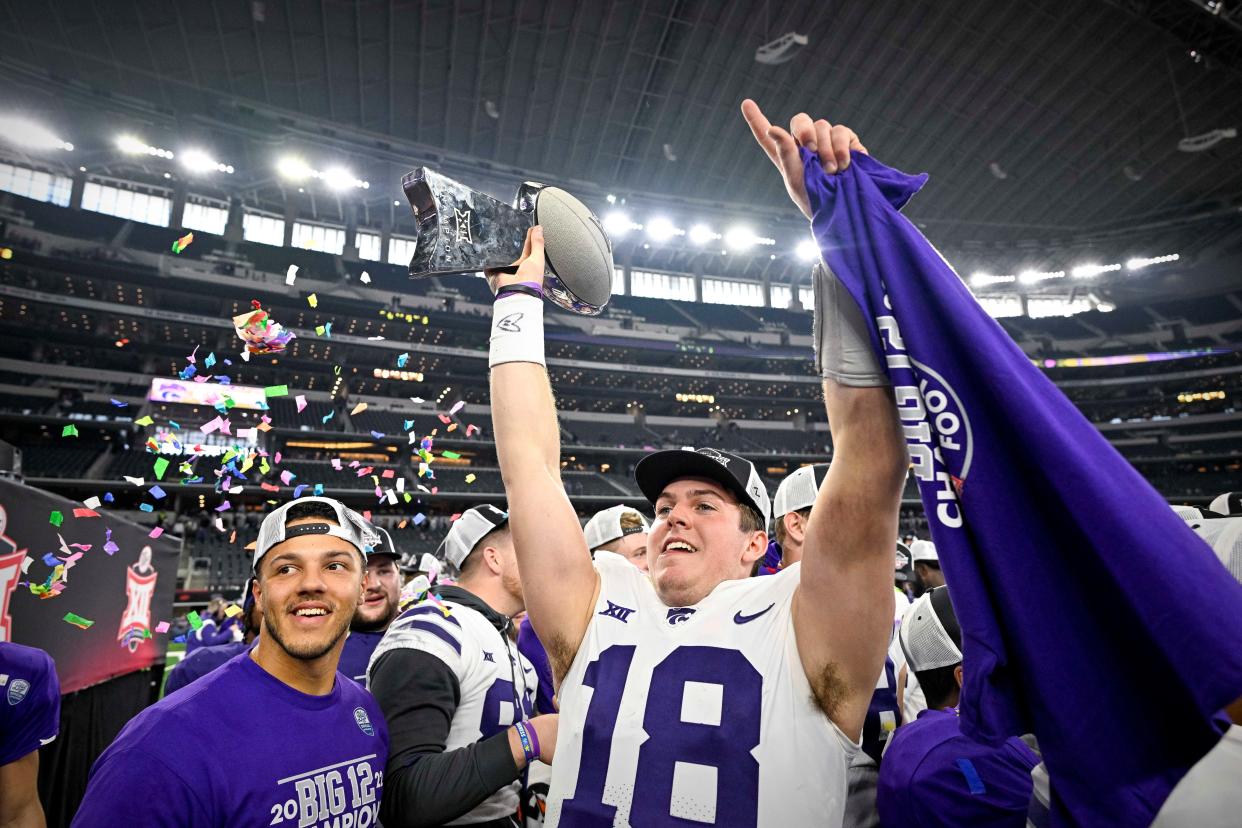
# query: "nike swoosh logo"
{"type": "Point", "coordinates": [47, 741]}
{"type": "Point", "coordinates": [738, 618]}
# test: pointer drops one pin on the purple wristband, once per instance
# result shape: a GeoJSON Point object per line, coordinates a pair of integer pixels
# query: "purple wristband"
{"type": "Point", "coordinates": [534, 739]}
{"type": "Point", "coordinates": [531, 288]}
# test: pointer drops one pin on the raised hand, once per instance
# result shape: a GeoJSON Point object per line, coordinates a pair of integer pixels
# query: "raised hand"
{"type": "Point", "coordinates": [831, 143]}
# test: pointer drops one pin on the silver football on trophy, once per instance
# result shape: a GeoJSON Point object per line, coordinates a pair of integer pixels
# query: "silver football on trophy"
{"type": "Point", "coordinates": [461, 230]}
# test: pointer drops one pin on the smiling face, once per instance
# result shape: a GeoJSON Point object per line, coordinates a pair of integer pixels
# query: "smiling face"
{"type": "Point", "coordinates": [308, 588]}
{"type": "Point", "coordinates": [697, 541]}
{"type": "Point", "coordinates": [381, 589]}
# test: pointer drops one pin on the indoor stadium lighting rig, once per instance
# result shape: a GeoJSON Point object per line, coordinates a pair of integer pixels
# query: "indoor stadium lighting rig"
{"type": "Point", "coordinates": [337, 178]}
{"type": "Point", "coordinates": [29, 135]}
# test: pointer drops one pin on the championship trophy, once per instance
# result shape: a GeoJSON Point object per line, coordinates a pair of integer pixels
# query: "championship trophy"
{"type": "Point", "coordinates": [461, 230]}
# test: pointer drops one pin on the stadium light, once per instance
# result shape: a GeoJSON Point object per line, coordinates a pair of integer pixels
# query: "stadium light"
{"type": "Point", "coordinates": [294, 168]}
{"type": "Point", "coordinates": [617, 224]}
{"type": "Point", "coordinates": [661, 229]}
{"type": "Point", "coordinates": [808, 250]}
{"type": "Point", "coordinates": [740, 238]}
{"type": "Point", "coordinates": [30, 135]}
{"type": "Point", "coordinates": [702, 234]}
{"type": "Point", "coordinates": [1030, 277]}
{"type": "Point", "coordinates": [339, 178]}
{"type": "Point", "coordinates": [1086, 271]}
{"type": "Point", "coordinates": [981, 279]}
{"type": "Point", "coordinates": [1140, 263]}
{"type": "Point", "coordinates": [197, 161]}
{"type": "Point", "coordinates": [130, 145]}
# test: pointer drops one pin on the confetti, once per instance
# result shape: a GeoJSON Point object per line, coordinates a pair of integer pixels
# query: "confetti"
{"type": "Point", "coordinates": [119, 404]}
{"type": "Point", "coordinates": [183, 242]}
{"type": "Point", "coordinates": [358, 409]}
{"type": "Point", "coordinates": [402, 360]}
{"type": "Point", "coordinates": [69, 431]}
{"type": "Point", "coordinates": [471, 430]}
{"type": "Point", "coordinates": [458, 406]}
{"type": "Point", "coordinates": [470, 478]}
{"type": "Point", "coordinates": [318, 491]}
{"type": "Point", "coordinates": [276, 391]}
{"type": "Point", "coordinates": [85, 513]}
{"type": "Point", "coordinates": [287, 476]}
{"type": "Point", "coordinates": [78, 621]}
{"type": "Point", "coordinates": [365, 278]}
{"type": "Point", "coordinates": [156, 532]}
{"type": "Point", "coordinates": [91, 502]}
{"type": "Point", "coordinates": [137, 481]}
{"type": "Point", "coordinates": [195, 622]}
{"type": "Point", "coordinates": [156, 492]}
{"type": "Point", "coordinates": [210, 360]}
{"type": "Point", "coordinates": [260, 332]}
{"type": "Point", "coordinates": [298, 489]}
{"type": "Point", "coordinates": [56, 518]}
{"type": "Point", "coordinates": [291, 274]}
{"type": "Point", "coordinates": [161, 465]}
{"type": "Point", "coordinates": [162, 627]}
{"type": "Point", "coordinates": [232, 610]}
{"type": "Point", "coordinates": [451, 455]}
{"type": "Point", "coordinates": [144, 421]}
{"type": "Point", "coordinates": [300, 399]}
{"type": "Point", "coordinates": [377, 435]}
{"type": "Point", "coordinates": [312, 300]}
{"type": "Point", "coordinates": [224, 506]}
{"type": "Point", "coordinates": [417, 400]}
{"type": "Point", "coordinates": [327, 417]}
{"type": "Point", "coordinates": [110, 546]}
{"type": "Point", "coordinates": [146, 507]}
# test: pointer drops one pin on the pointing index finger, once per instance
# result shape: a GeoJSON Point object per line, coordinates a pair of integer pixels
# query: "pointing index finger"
{"type": "Point", "coordinates": [759, 127]}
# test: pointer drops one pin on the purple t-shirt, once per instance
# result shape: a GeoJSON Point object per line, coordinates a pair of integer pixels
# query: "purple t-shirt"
{"type": "Point", "coordinates": [357, 655]}
{"type": "Point", "coordinates": [201, 662]}
{"type": "Point", "coordinates": [212, 633]}
{"type": "Point", "coordinates": [29, 701]}
{"type": "Point", "coordinates": [530, 646]}
{"type": "Point", "coordinates": [934, 776]}
{"type": "Point", "coordinates": [279, 757]}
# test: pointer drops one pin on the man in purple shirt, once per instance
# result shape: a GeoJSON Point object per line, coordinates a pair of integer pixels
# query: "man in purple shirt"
{"type": "Point", "coordinates": [205, 659]}
{"type": "Point", "coordinates": [932, 774]}
{"type": "Point", "coordinates": [29, 719]}
{"type": "Point", "coordinates": [217, 628]}
{"type": "Point", "coordinates": [381, 591]}
{"type": "Point", "coordinates": [304, 745]}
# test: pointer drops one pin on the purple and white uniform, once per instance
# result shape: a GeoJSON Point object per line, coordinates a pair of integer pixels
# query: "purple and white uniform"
{"type": "Point", "coordinates": [282, 757]}
{"type": "Point", "coordinates": [29, 701]}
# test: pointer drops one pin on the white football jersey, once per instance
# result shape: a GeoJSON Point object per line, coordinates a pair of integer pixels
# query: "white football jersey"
{"type": "Point", "coordinates": [698, 713]}
{"type": "Point", "coordinates": [497, 682]}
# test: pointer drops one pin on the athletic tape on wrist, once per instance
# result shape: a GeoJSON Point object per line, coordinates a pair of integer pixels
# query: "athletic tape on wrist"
{"type": "Point", "coordinates": [517, 330]}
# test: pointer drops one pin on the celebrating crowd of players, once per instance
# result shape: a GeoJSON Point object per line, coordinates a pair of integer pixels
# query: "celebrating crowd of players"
{"type": "Point", "coordinates": [730, 660]}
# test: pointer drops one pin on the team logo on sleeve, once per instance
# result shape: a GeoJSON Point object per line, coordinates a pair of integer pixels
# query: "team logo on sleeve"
{"type": "Point", "coordinates": [18, 688]}
{"type": "Point", "coordinates": [364, 722]}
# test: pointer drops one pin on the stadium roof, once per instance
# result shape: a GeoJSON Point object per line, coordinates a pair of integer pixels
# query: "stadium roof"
{"type": "Point", "coordinates": [1037, 121]}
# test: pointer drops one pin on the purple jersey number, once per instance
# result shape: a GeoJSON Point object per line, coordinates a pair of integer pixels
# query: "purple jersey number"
{"type": "Point", "coordinates": [500, 692]}
{"type": "Point", "coordinates": [725, 746]}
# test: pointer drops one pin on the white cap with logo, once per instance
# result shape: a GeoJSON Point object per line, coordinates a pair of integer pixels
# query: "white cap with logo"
{"type": "Point", "coordinates": [605, 526]}
{"type": "Point", "coordinates": [349, 526]}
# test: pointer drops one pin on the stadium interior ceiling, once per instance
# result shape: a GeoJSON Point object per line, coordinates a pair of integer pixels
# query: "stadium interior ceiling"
{"type": "Point", "coordinates": [1061, 138]}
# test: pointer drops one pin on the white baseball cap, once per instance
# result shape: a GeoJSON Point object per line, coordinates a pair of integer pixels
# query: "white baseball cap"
{"type": "Point", "coordinates": [466, 532]}
{"type": "Point", "coordinates": [605, 526]}
{"type": "Point", "coordinates": [350, 526]}
{"type": "Point", "coordinates": [1229, 503]}
{"type": "Point", "coordinates": [798, 490]}
{"type": "Point", "coordinates": [923, 550]}
{"type": "Point", "coordinates": [930, 635]}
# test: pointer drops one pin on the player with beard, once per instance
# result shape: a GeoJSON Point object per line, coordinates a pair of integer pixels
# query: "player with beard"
{"type": "Point", "coordinates": [314, 742]}
{"type": "Point", "coordinates": [381, 591]}
{"type": "Point", "coordinates": [456, 692]}
{"type": "Point", "coordinates": [698, 693]}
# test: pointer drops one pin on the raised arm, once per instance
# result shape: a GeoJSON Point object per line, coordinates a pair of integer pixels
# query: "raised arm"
{"type": "Point", "coordinates": [558, 579]}
{"type": "Point", "coordinates": [843, 609]}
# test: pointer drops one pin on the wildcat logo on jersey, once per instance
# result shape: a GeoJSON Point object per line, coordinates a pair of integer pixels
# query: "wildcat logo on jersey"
{"type": "Point", "coordinates": [934, 422]}
{"type": "Point", "coordinates": [344, 794]}
{"type": "Point", "coordinates": [364, 723]}
{"type": "Point", "coordinates": [676, 615]}
{"type": "Point", "coordinates": [18, 688]}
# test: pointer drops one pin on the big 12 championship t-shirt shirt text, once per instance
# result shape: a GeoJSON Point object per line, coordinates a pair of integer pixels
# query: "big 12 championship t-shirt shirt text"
{"type": "Point", "coordinates": [241, 748]}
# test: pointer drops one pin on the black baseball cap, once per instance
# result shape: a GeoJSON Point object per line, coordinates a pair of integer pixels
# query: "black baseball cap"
{"type": "Point", "coordinates": [737, 474]}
